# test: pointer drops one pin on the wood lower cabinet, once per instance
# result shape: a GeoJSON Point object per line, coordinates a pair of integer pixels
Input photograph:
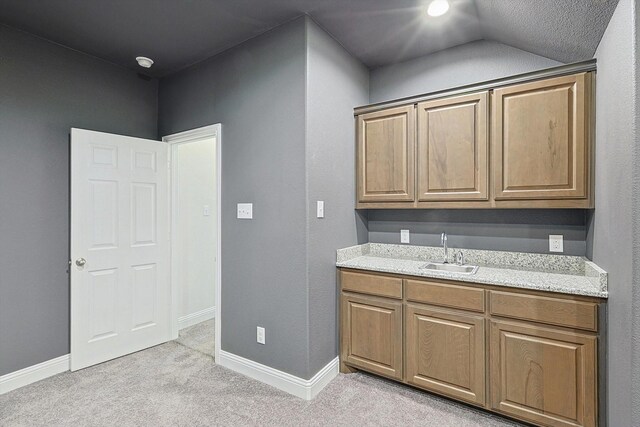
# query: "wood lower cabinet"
{"type": "Point", "coordinates": [543, 375]}
{"type": "Point", "coordinates": [371, 332]}
{"type": "Point", "coordinates": [528, 355]}
{"type": "Point", "coordinates": [445, 352]}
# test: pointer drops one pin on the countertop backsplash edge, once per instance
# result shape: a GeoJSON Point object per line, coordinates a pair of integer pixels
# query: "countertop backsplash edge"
{"type": "Point", "coordinates": [555, 273]}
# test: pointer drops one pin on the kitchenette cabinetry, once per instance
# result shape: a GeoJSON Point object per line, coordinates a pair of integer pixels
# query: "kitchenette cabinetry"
{"type": "Point", "coordinates": [527, 354]}
{"type": "Point", "coordinates": [525, 145]}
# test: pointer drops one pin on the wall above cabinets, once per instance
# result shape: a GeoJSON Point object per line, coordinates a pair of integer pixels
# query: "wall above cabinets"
{"type": "Point", "coordinates": [521, 142]}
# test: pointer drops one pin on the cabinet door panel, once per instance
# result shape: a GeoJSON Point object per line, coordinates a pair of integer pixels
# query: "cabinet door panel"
{"type": "Point", "coordinates": [542, 375]}
{"type": "Point", "coordinates": [386, 145]}
{"type": "Point", "coordinates": [372, 334]}
{"type": "Point", "coordinates": [452, 149]}
{"type": "Point", "coordinates": [540, 139]}
{"type": "Point", "coordinates": [446, 353]}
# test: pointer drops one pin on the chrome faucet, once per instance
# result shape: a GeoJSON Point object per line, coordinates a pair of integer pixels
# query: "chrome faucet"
{"type": "Point", "coordinates": [443, 242]}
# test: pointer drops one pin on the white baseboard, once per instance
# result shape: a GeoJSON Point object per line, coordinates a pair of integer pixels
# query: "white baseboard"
{"type": "Point", "coordinates": [197, 317]}
{"type": "Point", "coordinates": [304, 389]}
{"type": "Point", "coordinates": [33, 373]}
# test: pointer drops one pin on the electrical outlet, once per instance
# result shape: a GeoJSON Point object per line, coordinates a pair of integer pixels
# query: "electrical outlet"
{"type": "Point", "coordinates": [245, 210]}
{"type": "Point", "coordinates": [260, 335]}
{"type": "Point", "coordinates": [404, 236]}
{"type": "Point", "coordinates": [556, 243]}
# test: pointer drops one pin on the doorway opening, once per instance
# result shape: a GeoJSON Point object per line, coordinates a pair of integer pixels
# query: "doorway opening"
{"type": "Point", "coordinates": [195, 237]}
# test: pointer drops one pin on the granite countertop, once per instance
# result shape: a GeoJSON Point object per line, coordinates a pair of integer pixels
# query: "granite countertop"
{"type": "Point", "coordinates": [553, 273]}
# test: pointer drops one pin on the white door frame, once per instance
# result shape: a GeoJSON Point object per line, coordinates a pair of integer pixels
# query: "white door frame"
{"type": "Point", "coordinates": [179, 138]}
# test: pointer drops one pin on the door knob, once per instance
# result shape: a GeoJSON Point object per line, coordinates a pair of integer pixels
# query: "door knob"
{"type": "Point", "coordinates": [80, 262]}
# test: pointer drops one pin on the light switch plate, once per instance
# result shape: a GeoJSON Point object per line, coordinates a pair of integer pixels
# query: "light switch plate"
{"type": "Point", "coordinates": [556, 243]}
{"type": "Point", "coordinates": [206, 210]}
{"type": "Point", "coordinates": [245, 210]}
{"type": "Point", "coordinates": [320, 209]}
{"type": "Point", "coordinates": [260, 335]}
{"type": "Point", "coordinates": [404, 236]}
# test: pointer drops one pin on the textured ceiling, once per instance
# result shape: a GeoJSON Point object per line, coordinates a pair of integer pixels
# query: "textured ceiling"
{"type": "Point", "coordinates": [178, 33]}
{"type": "Point", "coordinates": [564, 30]}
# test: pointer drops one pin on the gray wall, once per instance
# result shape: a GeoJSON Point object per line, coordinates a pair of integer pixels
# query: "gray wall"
{"type": "Point", "coordinates": [610, 240]}
{"type": "Point", "coordinates": [336, 82]}
{"type": "Point", "coordinates": [635, 194]}
{"type": "Point", "coordinates": [285, 101]}
{"type": "Point", "coordinates": [257, 91]}
{"type": "Point", "coordinates": [46, 89]}
{"type": "Point", "coordinates": [466, 64]}
{"type": "Point", "coordinates": [504, 230]}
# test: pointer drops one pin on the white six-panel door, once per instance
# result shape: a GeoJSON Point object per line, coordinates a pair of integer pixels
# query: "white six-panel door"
{"type": "Point", "coordinates": [120, 287]}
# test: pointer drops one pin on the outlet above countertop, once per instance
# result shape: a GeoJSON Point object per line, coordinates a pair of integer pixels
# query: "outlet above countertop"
{"type": "Point", "coordinates": [542, 272]}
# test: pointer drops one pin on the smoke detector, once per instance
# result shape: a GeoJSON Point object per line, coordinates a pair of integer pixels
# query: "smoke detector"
{"type": "Point", "coordinates": [144, 62]}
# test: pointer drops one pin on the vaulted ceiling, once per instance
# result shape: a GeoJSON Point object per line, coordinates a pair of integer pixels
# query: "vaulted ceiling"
{"type": "Point", "coordinates": [178, 33]}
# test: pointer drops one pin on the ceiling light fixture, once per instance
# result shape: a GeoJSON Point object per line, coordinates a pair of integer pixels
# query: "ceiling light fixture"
{"type": "Point", "coordinates": [145, 62]}
{"type": "Point", "coordinates": [438, 7]}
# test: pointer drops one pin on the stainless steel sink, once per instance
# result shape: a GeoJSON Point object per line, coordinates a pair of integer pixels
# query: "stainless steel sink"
{"type": "Point", "coordinates": [451, 268]}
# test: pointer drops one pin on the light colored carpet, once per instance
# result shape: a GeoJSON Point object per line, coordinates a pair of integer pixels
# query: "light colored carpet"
{"type": "Point", "coordinates": [199, 337]}
{"type": "Point", "coordinates": [172, 385]}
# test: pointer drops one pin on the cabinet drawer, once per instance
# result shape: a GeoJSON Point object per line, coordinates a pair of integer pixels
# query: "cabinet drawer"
{"type": "Point", "coordinates": [553, 311]}
{"type": "Point", "coordinates": [446, 295]}
{"type": "Point", "coordinates": [363, 283]}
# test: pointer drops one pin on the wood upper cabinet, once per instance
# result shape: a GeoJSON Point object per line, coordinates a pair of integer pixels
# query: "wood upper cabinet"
{"type": "Point", "coordinates": [540, 142]}
{"type": "Point", "coordinates": [386, 156]}
{"type": "Point", "coordinates": [527, 145]}
{"type": "Point", "coordinates": [453, 149]}
{"type": "Point", "coordinates": [446, 352]}
{"type": "Point", "coordinates": [543, 375]}
{"type": "Point", "coordinates": [371, 334]}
